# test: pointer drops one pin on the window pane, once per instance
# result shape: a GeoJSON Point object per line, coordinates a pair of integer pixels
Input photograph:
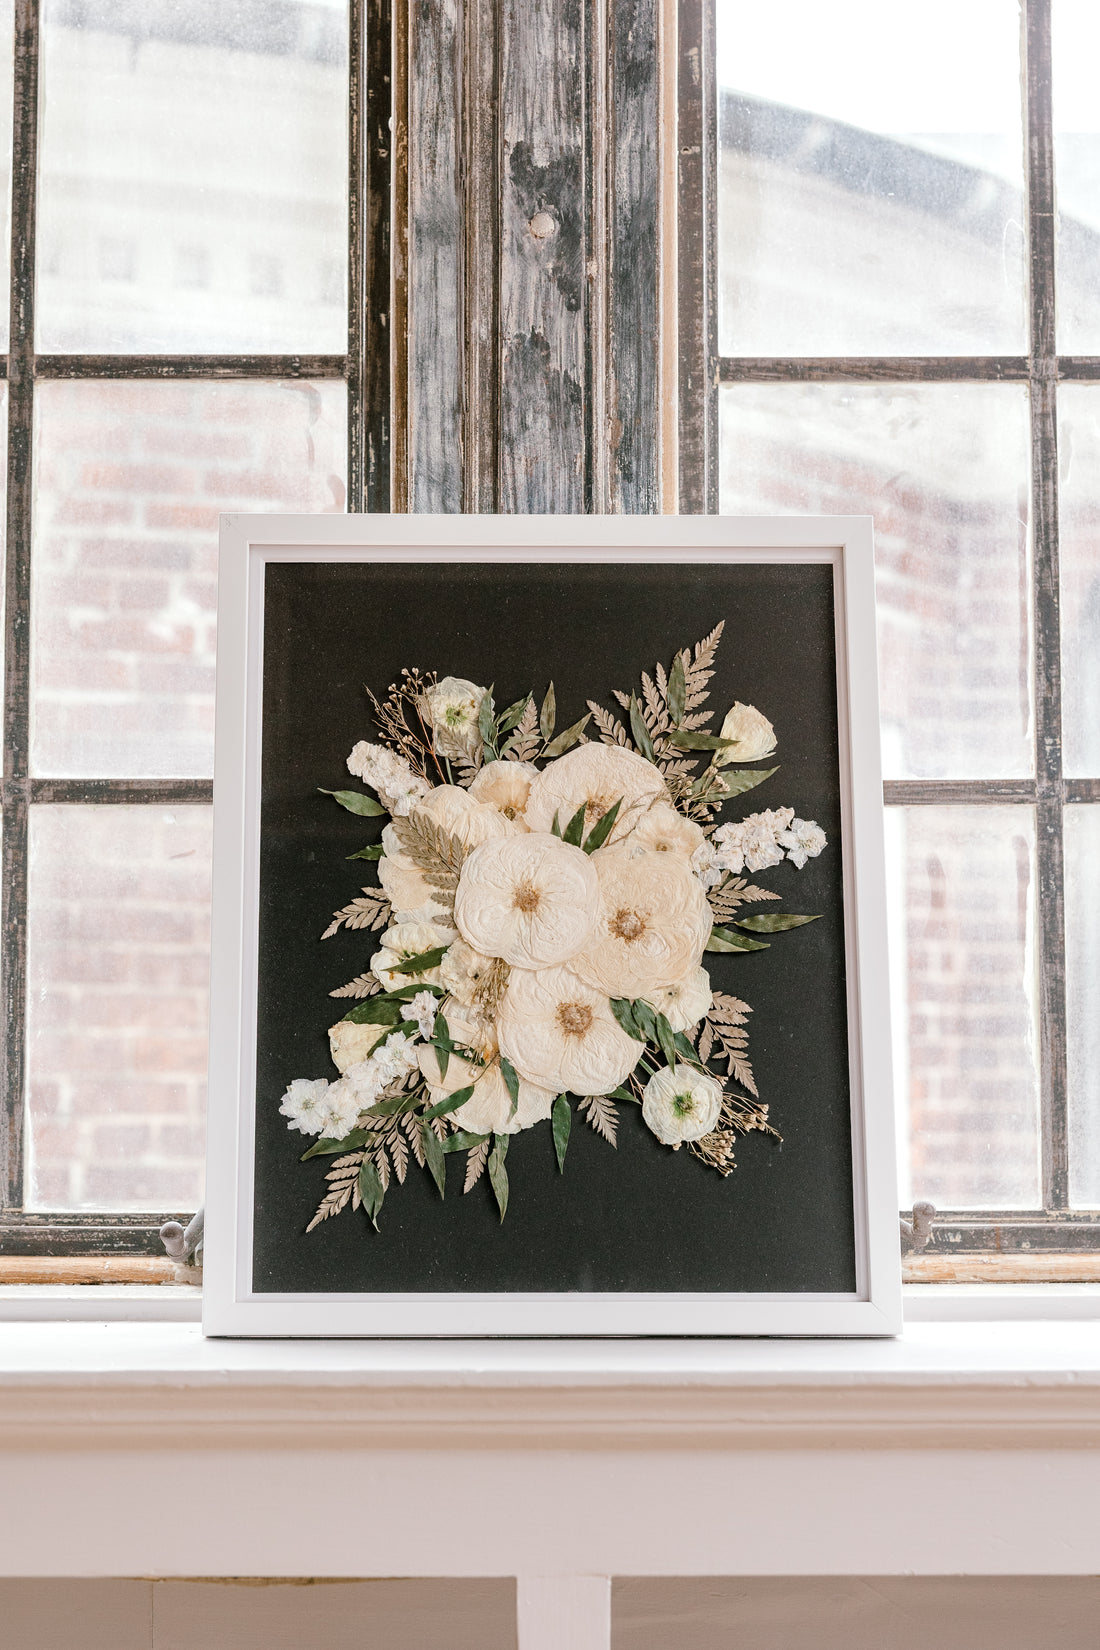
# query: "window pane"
{"type": "Point", "coordinates": [1083, 994]}
{"type": "Point", "coordinates": [194, 175]}
{"type": "Point", "coordinates": [130, 479]}
{"type": "Point", "coordinates": [118, 950]}
{"type": "Point", "coordinates": [965, 1006]}
{"type": "Point", "coordinates": [870, 178]}
{"type": "Point", "coordinates": [944, 470]}
{"type": "Point", "coordinates": [1079, 497]}
{"type": "Point", "coordinates": [1075, 27]}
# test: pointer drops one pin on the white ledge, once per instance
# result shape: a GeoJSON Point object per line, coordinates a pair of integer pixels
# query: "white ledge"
{"type": "Point", "coordinates": [129, 1385]}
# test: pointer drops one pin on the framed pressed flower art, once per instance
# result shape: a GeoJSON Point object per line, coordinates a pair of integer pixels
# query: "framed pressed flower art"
{"type": "Point", "coordinates": [549, 988]}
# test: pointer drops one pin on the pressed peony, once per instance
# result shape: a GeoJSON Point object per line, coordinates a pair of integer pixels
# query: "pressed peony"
{"type": "Point", "coordinates": [661, 830]}
{"type": "Point", "coordinates": [452, 708]}
{"type": "Point", "coordinates": [471, 821]}
{"type": "Point", "coordinates": [530, 899]}
{"type": "Point", "coordinates": [753, 734]}
{"type": "Point", "coordinates": [652, 926]}
{"type": "Point", "coordinates": [684, 1004]}
{"type": "Point", "coordinates": [803, 840]}
{"type": "Point", "coordinates": [489, 1108]}
{"type": "Point", "coordinates": [303, 1104]}
{"type": "Point", "coordinates": [405, 940]}
{"type": "Point", "coordinates": [349, 1043]}
{"type": "Point", "coordinates": [398, 787]}
{"type": "Point", "coordinates": [561, 1034]}
{"type": "Point", "coordinates": [462, 971]}
{"type": "Point", "coordinates": [505, 786]}
{"type": "Point", "coordinates": [597, 776]}
{"type": "Point", "coordinates": [681, 1104]}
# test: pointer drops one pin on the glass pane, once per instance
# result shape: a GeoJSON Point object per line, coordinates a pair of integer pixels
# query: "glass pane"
{"type": "Point", "coordinates": [965, 1006]}
{"type": "Point", "coordinates": [130, 479]}
{"type": "Point", "coordinates": [1079, 498]}
{"type": "Point", "coordinates": [1075, 46]}
{"type": "Point", "coordinates": [1082, 995]}
{"type": "Point", "coordinates": [118, 950]}
{"type": "Point", "coordinates": [193, 177]}
{"type": "Point", "coordinates": [870, 186]}
{"type": "Point", "coordinates": [944, 471]}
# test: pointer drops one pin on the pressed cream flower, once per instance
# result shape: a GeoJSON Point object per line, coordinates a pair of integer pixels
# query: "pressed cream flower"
{"type": "Point", "coordinates": [489, 1108]}
{"type": "Point", "coordinates": [684, 1004]}
{"type": "Point", "coordinates": [350, 1043]}
{"type": "Point", "coordinates": [405, 940]}
{"type": "Point", "coordinates": [460, 813]}
{"type": "Point", "coordinates": [681, 1104]}
{"type": "Point", "coordinates": [304, 1105]}
{"type": "Point", "coordinates": [411, 895]}
{"type": "Point", "coordinates": [462, 971]}
{"type": "Point", "coordinates": [530, 899]}
{"type": "Point", "coordinates": [803, 840]}
{"type": "Point", "coordinates": [505, 786]}
{"type": "Point", "coordinates": [596, 776]}
{"type": "Point", "coordinates": [652, 927]}
{"type": "Point", "coordinates": [661, 830]}
{"type": "Point", "coordinates": [452, 708]}
{"type": "Point", "coordinates": [561, 1034]}
{"type": "Point", "coordinates": [752, 733]}
{"type": "Point", "coordinates": [398, 787]}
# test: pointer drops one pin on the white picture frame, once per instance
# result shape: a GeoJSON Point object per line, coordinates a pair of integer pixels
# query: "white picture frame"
{"type": "Point", "coordinates": [249, 544]}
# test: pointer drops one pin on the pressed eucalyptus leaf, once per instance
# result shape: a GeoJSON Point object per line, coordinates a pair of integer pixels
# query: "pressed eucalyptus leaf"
{"type": "Point", "coordinates": [699, 742]}
{"type": "Point", "coordinates": [602, 829]}
{"type": "Point", "coordinates": [370, 1190]}
{"type": "Point", "coordinates": [452, 1103]}
{"type": "Point", "coordinates": [624, 1094]}
{"type": "Point", "coordinates": [375, 1011]}
{"type": "Point", "coordinates": [561, 1117]}
{"type": "Point", "coordinates": [645, 1019]}
{"type": "Point", "coordinates": [355, 802]}
{"type": "Point", "coordinates": [462, 1140]}
{"type": "Point", "coordinates": [549, 713]}
{"type": "Point", "coordinates": [724, 939]}
{"type": "Point", "coordinates": [565, 741]}
{"type": "Point", "coordinates": [735, 781]}
{"type": "Point", "coordinates": [374, 851]}
{"type": "Point", "coordinates": [639, 729]}
{"type": "Point", "coordinates": [667, 1039]}
{"type": "Point", "coordinates": [509, 718]}
{"type": "Point", "coordinates": [774, 923]}
{"type": "Point", "coordinates": [331, 1148]}
{"type": "Point", "coordinates": [575, 829]}
{"type": "Point", "coordinates": [421, 963]}
{"type": "Point", "coordinates": [433, 1156]}
{"type": "Point", "coordinates": [684, 1047]}
{"type": "Point", "coordinates": [677, 690]}
{"type": "Point", "coordinates": [486, 723]}
{"type": "Point", "coordinates": [498, 1174]}
{"type": "Point", "coordinates": [555, 828]}
{"type": "Point", "coordinates": [511, 1081]}
{"type": "Point", "coordinates": [623, 1011]}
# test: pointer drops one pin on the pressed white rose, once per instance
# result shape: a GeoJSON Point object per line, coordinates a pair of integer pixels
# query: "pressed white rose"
{"type": "Point", "coordinates": [530, 899]}
{"type": "Point", "coordinates": [561, 1034]}
{"type": "Point", "coordinates": [461, 814]}
{"type": "Point", "coordinates": [753, 733]}
{"type": "Point", "coordinates": [349, 1043]}
{"type": "Point", "coordinates": [652, 925]}
{"type": "Point", "coordinates": [505, 786]}
{"type": "Point", "coordinates": [398, 787]}
{"type": "Point", "coordinates": [681, 1104]}
{"type": "Point", "coordinates": [452, 709]}
{"type": "Point", "coordinates": [803, 840]}
{"type": "Point", "coordinates": [462, 970]}
{"type": "Point", "coordinates": [304, 1105]}
{"type": "Point", "coordinates": [661, 830]}
{"type": "Point", "coordinates": [405, 940]}
{"type": "Point", "coordinates": [684, 1004]}
{"type": "Point", "coordinates": [489, 1108]}
{"type": "Point", "coordinates": [597, 776]}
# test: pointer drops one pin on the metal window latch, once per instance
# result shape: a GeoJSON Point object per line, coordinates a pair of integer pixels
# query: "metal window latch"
{"type": "Point", "coordinates": [183, 1246]}
{"type": "Point", "coordinates": [917, 1233]}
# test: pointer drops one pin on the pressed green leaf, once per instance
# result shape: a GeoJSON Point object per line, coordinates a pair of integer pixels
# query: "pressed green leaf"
{"type": "Point", "coordinates": [402, 993]}
{"type": "Point", "coordinates": [677, 690]}
{"type": "Point", "coordinates": [699, 742]}
{"type": "Point", "coordinates": [421, 963]}
{"type": "Point", "coordinates": [775, 923]}
{"type": "Point", "coordinates": [575, 829]}
{"type": "Point", "coordinates": [452, 1103]}
{"type": "Point", "coordinates": [355, 802]}
{"type": "Point", "coordinates": [548, 715]}
{"type": "Point", "coordinates": [623, 1011]}
{"type": "Point", "coordinates": [498, 1174]}
{"type": "Point", "coordinates": [486, 723]}
{"type": "Point", "coordinates": [331, 1148]}
{"type": "Point", "coordinates": [724, 939]}
{"type": "Point", "coordinates": [400, 1104]}
{"type": "Point", "coordinates": [639, 729]}
{"type": "Point", "coordinates": [511, 1081]}
{"type": "Point", "coordinates": [667, 1039]}
{"type": "Point", "coordinates": [433, 1156]}
{"type": "Point", "coordinates": [443, 1044]}
{"type": "Point", "coordinates": [509, 718]}
{"type": "Point", "coordinates": [565, 741]}
{"type": "Point", "coordinates": [684, 1047]}
{"type": "Point", "coordinates": [375, 1011]}
{"type": "Point", "coordinates": [561, 1117]}
{"type": "Point", "coordinates": [735, 781]}
{"type": "Point", "coordinates": [645, 1019]}
{"type": "Point", "coordinates": [625, 1094]}
{"type": "Point", "coordinates": [462, 1140]}
{"type": "Point", "coordinates": [555, 828]}
{"type": "Point", "coordinates": [602, 829]}
{"type": "Point", "coordinates": [370, 1190]}
{"type": "Point", "coordinates": [374, 851]}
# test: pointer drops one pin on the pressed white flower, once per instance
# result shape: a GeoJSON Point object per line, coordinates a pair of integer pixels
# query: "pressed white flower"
{"type": "Point", "coordinates": [489, 1108]}
{"type": "Point", "coordinates": [423, 1009]}
{"type": "Point", "coordinates": [398, 787]}
{"type": "Point", "coordinates": [396, 1056]}
{"type": "Point", "coordinates": [405, 940]}
{"type": "Point", "coordinates": [350, 1043]}
{"type": "Point", "coordinates": [803, 840]}
{"type": "Point", "coordinates": [597, 776]}
{"type": "Point", "coordinates": [341, 1110]}
{"type": "Point", "coordinates": [462, 970]}
{"type": "Point", "coordinates": [681, 1104]}
{"type": "Point", "coordinates": [753, 845]}
{"type": "Point", "coordinates": [530, 899]}
{"type": "Point", "coordinates": [303, 1105]}
{"type": "Point", "coordinates": [652, 925]}
{"type": "Point", "coordinates": [684, 1003]}
{"type": "Point", "coordinates": [661, 830]}
{"type": "Point", "coordinates": [505, 786]}
{"type": "Point", "coordinates": [561, 1034]}
{"type": "Point", "coordinates": [753, 733]}
{"type": "Point", "coordinates": [452, 709]}
{"type": "Point", "coordinates": [463, 816]}
{"type": "Point", "coordinates": [704, 862]}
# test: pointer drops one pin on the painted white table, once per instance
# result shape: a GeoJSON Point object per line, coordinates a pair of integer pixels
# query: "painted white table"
{"type": "Point", "coordinates": [958, 1448]}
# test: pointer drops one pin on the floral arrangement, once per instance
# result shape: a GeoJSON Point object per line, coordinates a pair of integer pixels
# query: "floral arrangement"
{"type": "Point", "coordinates": [547, 901]}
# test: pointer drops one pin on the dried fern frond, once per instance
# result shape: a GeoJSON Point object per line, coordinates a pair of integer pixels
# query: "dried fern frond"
{"type": "Point", "coordinates": [611, 729]}
{"type": "Point", "coordinates": [730, 896]}
{"type": "Point", "coordinates": [342, 1179]}
{"type": "Point", "coordinates": [525, 742]}
{"type": "Point", "coordinates": [476, 1159]}
{"type": "Point", "coordinates": [363, 985]}
{"type": "Point", "coordinates": [724, 1026]}
{"type": "Point", "coordinates": [429, 846]}
{"type": "Point", "coordinates": [699, 668]}
{"type": "Point", "coordinates": [372, 910]}
{"type": "Point", "coordinates": [602, 1114]}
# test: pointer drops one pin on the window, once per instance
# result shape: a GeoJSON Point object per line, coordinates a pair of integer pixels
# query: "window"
{"type": "Point", "coordinates": [207, 190]}
{"type": "Point", "coordinates": [896, 319]}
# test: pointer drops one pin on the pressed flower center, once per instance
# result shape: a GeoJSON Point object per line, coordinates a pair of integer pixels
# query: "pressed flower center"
{"type": "Point", "coordinates": [574, 1018]}
{"type": "Point", "coordinates": [509, 812]}
{"type": "Point", "coordinates": [683, 1104]}
{"type": "Point", "coordinates": [526, 898]}
{"type": "Point", "coordinates": [627, 925]}
{"type": "Point", "coordinates": [595, 807]}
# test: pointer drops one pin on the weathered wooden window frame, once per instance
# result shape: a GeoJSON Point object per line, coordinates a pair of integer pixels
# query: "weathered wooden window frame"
{"type": "Point", "coordinates": [1056, 1226]}
{"type": "Point", "coordinates": [365, 368]}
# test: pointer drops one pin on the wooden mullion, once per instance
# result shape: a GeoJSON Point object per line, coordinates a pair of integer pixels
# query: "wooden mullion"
{"type": "Point", "coordinates": [190, 366]}
{"type": "Point", "coordinates": [874, 369]}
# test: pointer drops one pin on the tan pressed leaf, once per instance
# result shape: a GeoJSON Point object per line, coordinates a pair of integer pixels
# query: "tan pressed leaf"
{"type": "Point", "coordinates": [611, 729]}
{"type": "Point", "coordinates": [476, 1159]}
{"type": "Point", "coordinates": [602, 1114]}
{"type": "Point", "coordinates": [363, 985]}
{"type": "Point", "coordinates": [706, 1042]}
{"type": "Point", "coordinates": [524, 744]}
{"type": "Point", "coordinates": [428, 845]}
{"type": "Point", "coordinates": [698, 670]}
{"type": "Point", "coordinates": [372, 910]}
